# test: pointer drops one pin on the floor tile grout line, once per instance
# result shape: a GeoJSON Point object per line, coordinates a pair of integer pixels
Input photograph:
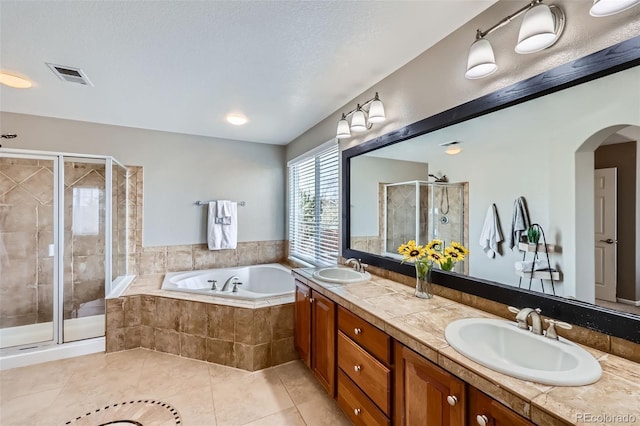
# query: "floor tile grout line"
{"type": "Point", "coordinates": [289, 394]}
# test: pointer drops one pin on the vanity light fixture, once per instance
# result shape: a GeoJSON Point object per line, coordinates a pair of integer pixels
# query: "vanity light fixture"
{"type": "Point", "coordinates": [362, 118]}
{"type": "Point", "coordinates": [541, 27]}
{"type": "Point", "coordinates": [610, 7]}
{"type": "Point", "coordinates": [14, 81]}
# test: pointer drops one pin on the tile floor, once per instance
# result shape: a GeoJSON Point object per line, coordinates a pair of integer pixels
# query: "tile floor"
{"type": "Point", "coordinates": [205, 394]}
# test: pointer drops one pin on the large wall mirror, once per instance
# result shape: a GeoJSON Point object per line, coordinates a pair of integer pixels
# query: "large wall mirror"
{"type": "Point", "coordinates": [553, 140]}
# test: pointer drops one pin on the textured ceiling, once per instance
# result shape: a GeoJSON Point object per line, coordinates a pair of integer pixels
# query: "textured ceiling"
{"type": "Point", "coordinates": [181, 66]}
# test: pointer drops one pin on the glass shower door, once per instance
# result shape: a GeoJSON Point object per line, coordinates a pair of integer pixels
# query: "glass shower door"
{"type": "Point", "coordinates": [84, 256]}
{"type": "Point", "coordinates": [28, 272]}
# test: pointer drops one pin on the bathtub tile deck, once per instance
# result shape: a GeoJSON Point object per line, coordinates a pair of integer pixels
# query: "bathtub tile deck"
{"type": "Point", "coordinates": [204, 394]}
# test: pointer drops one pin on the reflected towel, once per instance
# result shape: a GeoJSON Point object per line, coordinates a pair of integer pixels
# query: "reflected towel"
{"type": "Point", "coordinates": [519, 222]}
{"type": "Point", "coordinates": [527, 266]}
{"type": "Point", "coordinates": [222, 236]}
{"type": "Point", "coordinates": [491, 234]}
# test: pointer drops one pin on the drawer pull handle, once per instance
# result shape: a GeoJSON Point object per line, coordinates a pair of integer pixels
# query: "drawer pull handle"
{"type": "Point", "coordinates": [356, 411]}
{"type": "Point", "coordinates": [357, 330]}
{"type": "Point", "coordinates": [482, 420]}
{"type": "Point", "coordinates": [357, 368]}
{"type": "Point", "coordinates": [452, 400]}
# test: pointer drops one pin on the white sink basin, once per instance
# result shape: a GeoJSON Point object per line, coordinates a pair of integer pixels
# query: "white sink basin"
{"type": "Point", "coordinates": [341, 275]}
{"type": "Point", "coordinates": [502, 346]}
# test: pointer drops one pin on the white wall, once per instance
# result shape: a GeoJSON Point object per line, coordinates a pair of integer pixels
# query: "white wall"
{"type": "Point", "coordinates": [366, 173]}
{"type": "Point", "coordinates": [178, 170]}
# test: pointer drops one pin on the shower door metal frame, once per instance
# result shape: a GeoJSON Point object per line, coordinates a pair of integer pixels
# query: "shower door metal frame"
{"type": "Point", "coordinates": [58, 236]}
{"type": "Point", "coordinates": [416, 184]}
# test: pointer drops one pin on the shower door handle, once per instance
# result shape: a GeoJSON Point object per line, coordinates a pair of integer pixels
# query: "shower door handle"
{"type": "Point", "coordinates": [609, 241]}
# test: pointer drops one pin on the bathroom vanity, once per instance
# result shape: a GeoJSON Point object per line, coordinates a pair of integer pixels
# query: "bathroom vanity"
{"type": "Point", "coordinates": [381, 352]}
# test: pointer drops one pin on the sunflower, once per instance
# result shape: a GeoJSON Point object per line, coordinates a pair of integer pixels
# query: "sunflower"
{"type": "Point", "coordinates": [436, 256]}
{"type": "Point", "coordinates": [411, 251]}
{"type": "Point", "coordinates": [454, 253]}
{"type": "Point", "coordinates": [435, 245]}
{"type": "Point", "coordinates": [460, 248]}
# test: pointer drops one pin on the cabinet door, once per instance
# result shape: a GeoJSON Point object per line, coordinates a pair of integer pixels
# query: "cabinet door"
{"type": "Point", "coordinates": [323, 341]}
{"type": "Point", "coordinates": [302, 335]}
{"type": "Point", "coordinates": [425, 393]}
{"type": "Point", "coordinates": [485, 411]}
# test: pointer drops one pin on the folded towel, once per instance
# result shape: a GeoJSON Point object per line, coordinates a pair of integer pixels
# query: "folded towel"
{"type": "Point", "coordinates": [220, 235]}
{"type": "Point", "coordinates": [223, 212]}
{"type": "Point", "coordinates": [528, 266]}
{"type": "Point", "coordinates": [491, 234]}
{"type": "Point", "coordinates": [519, 222]}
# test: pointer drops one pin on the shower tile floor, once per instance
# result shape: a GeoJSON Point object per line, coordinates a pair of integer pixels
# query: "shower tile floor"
{"type": "Point", "coordinates": [204, 394]}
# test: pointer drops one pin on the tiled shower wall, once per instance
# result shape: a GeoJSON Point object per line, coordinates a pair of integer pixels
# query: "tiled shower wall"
{"type": "Point", "coordinates": [26, 228]}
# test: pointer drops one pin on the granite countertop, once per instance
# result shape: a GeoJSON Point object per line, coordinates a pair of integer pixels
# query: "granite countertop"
{"type": "Point", "coordinates": [419, 324]}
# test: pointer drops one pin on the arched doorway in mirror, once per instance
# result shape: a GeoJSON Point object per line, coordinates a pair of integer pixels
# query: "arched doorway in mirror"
{"type": "Point", "coordinates": [608, 216]}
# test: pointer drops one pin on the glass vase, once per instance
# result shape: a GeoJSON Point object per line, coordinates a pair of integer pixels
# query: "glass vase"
{"type": "Point", "coordinates": [423, 283]}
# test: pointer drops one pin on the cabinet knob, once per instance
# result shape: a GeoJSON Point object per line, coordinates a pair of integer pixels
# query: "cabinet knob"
{"type": "Point", "coordinates": [482, 420]}
{"type": "Point", "coordinates": [452, 400]}
{"type": "Point", "coordinates": [306, 295]}
{"type": "Point", "coordinates": [311, 300]}
{"type": "Point", "coordinates": [357, 330]}
{"type": "Point", "coordinates": [356, 411]}
{"type": "Point", "coordinates": [357, 368]}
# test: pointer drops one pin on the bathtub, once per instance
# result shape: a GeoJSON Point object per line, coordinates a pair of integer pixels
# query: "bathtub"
{"type": "Point", "coordinates": [258, 282]}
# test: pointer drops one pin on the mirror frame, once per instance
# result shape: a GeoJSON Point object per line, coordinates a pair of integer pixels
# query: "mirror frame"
{"type": "Point", "coordinates": [608, 61]}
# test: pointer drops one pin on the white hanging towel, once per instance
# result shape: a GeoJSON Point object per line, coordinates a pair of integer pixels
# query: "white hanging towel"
{"type": "Point", "coordinates": [491, 234]}
{"type": "Point", "coordinates": [220, 235]}
{"type": "Point", "coordinates": [519, 222]}
{"type": "Point", "coordinates": [223, 212]}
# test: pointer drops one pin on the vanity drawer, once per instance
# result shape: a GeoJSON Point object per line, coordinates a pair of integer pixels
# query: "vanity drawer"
{"type": "Point", "coordinates": [367, 372]}
{"type": "Point", "coordinates": [377, 342]}
{"type": "Point", "coordinates": [357, 406]}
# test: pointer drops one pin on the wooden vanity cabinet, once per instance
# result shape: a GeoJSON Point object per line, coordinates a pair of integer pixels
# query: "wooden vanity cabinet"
{"type": "Point", "coordinates": [323, 341]}
{"type": "Point", "coordinates": [364, 371]}
{"type": "Point", "coordinates": [315, 334]}
{"type": "Point", "coordinates": [425, 394]}
{"type": "Point", "coordinates": [302, 324]}
{"type": "Point", "coordinates": [482, 410]}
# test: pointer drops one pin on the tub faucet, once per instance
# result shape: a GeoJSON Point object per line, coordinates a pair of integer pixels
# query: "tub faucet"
{"type": "Point", "coordinates": [229, 281]}
{"type": "Point", "coordinates": [213, 284]}
{"type": "Point", "coordinates": [536, 321]}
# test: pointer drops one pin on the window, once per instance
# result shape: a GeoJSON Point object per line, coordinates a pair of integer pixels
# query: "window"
{"type": "Point", "coordinates": [313, 206]}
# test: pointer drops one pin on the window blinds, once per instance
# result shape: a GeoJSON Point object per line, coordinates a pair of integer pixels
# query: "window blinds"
{"type": "Point", "coordinates": [313, 208]}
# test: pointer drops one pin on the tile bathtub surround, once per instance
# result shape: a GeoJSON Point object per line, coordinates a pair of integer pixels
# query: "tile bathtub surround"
{"type": "Point", "coordinates": [420, 324]}
{"type": "Point", "coordinates": [163, 259]}
{"type": "Point", "coordinates": [55, 392]}
{"type": "Point", "coordinates": [246, 338]}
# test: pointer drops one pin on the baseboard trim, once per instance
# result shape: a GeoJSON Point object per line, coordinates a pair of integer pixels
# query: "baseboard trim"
{"type": "Point", "coordinates": [628, 302]}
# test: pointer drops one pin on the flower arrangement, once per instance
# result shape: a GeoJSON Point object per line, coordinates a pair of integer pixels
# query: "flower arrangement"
{"type": "Point", "coordinates": [433, 253]}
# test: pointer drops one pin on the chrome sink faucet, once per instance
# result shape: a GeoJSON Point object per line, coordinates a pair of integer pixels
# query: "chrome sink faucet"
{"type": "Point", "coordinates": [358, 266]}
{"type": "Point", "coordinates": [230, 280]}
{"type": "Point", "coordinates": [524, 314]}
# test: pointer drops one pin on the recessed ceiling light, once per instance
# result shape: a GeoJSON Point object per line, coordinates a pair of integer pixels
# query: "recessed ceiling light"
{"type": "Point", "coordinates": [452, 148]}
{"type": "Point", "coordinates": [14, 81]}
{"type": "Point", "coordinates": [237, 119]}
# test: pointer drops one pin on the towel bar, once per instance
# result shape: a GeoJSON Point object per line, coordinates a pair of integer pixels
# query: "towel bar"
{"type": "Point", "coordinates": [205, 203]}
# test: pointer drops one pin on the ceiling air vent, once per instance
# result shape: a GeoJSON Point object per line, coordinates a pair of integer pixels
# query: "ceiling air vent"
{"type": "Point", "coordinates": [70, 74]}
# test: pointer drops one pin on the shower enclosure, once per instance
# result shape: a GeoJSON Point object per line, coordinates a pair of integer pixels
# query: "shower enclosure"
{"type": "Point", "coordinates": [422, 211]}
{"type": "Point", "coordinates": [63, 245]}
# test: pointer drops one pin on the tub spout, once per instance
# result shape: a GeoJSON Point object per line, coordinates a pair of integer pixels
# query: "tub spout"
{"type": "Point", "coordinates": [230, 280]}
